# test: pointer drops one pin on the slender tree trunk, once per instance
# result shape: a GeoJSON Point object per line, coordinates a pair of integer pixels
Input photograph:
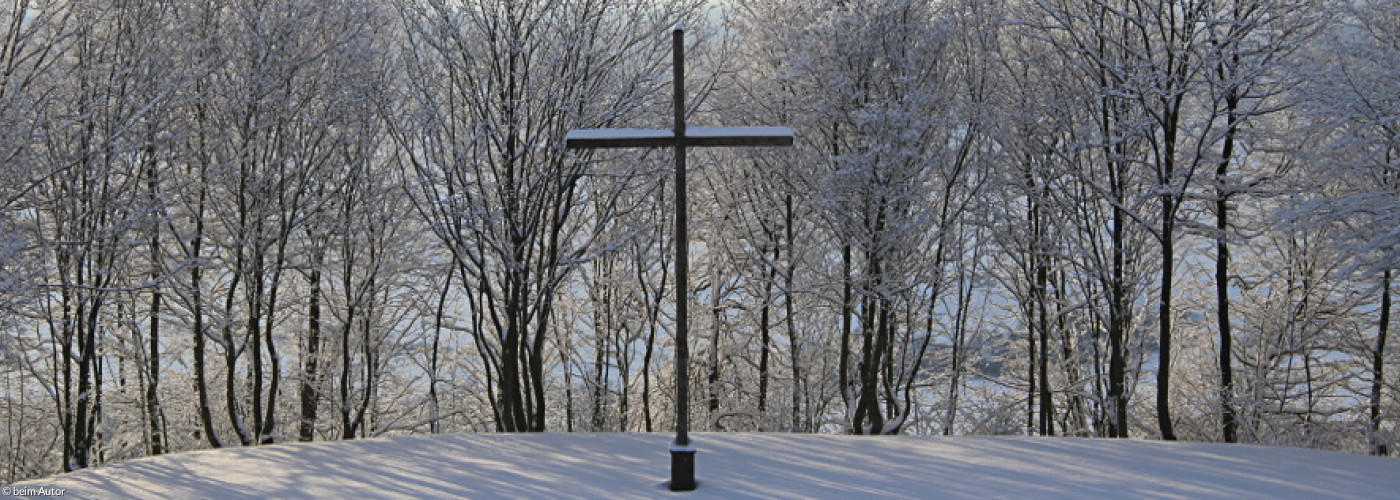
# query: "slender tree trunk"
{"type": "Point", "coordinates": [1228, 425]}
{"type": "Point", "coordinates": [1226, 71]}
{"type": "Point", "coordinates": [82, 442]}
{"type": "Point", "coordinates": [231, 355]}
{"type": "Point", "coordinates": [153, 375]}
{"type": "Point", "coordinates": [879, 361]}
{"type": "Point", "coordinates": [1118, 316]}
{"type": "Point", "coordinates": [624, 375]}
{"type": "Point", "coordinates": [1164, 326]}
{"type": "Point", "coordinates": [798, 382]}
{"type": "Point", "coordinates": [646, 377]}
{"type": "Point", "coordinates": [1170, 202]}
{"type": "Point", "coordinates": [206, 413]}
{"type": "Point", "coordinates": [1099, 399]}
{"type": "Point", "coordinates": [763, 337]}
{"type": "Point", "coordinates": [347, 428]}
{"type": "Point", "coordinates": [1032, 355]}
{"type": "Point", "coordinates": [565, 348]}
{"type": "Point", "coordinates": [1175, 69]}
{"type": "Point", "coordinates": [888, 379]}
{"type": "Point", "coordinates": [256, 288]}
{"type": "Point", "coordinates": [346, 366]}
{"type": "Point", "coordinates": [1047, 407]}
{"type": "Point", "coordinates": [600, 352]}
{"type": "Point", "coordinates": [434, 408]}
{"type": "Point", "coordinates": [865, 399]}
{"type": "Point", "coordinates": [869, 418]}
{"type": "Point", "coordinates": [1075, 411]}
{"type": "Point", "coordinates": [268, 430]}
{"type": "Point", "coordinates": [201, 382]}
{"type": "Point", "coordinates": [512, 399]}
{"type": "Point", "coordinates": [369, 349]}
{"type": "Point", "coordinates": [64, 358]}
{"type": "Point", "coordinates": [844, 363]}
{"type": "Point", "coordinates": [1378, 444]}
{"type": "Point", "coordinates": [311, 354]}
{"type": "Point", "coordinates": [956, 349]}
{"type": "Point", "coordinates": [195, 252]}
{"type": "Point", "coordinates": [654, 309]}
{"type": "Point", "coordinates": [1117, 333]}
{"type": "Point", "coordinates": [716, 315]}
{"type": "Point", "coordinates": [1040, 355]}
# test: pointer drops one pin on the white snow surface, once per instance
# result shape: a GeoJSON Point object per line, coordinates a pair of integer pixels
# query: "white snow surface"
{"type": "Point", "coordinates": [739, 466]}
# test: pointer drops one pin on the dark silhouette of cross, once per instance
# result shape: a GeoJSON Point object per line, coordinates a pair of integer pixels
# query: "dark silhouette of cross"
{"type": "Point", "coordinates": [680, 137]}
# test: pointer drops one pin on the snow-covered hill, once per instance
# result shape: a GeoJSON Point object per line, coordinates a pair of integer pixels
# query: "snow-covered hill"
{"type": "Point", "coordinates": [737, 466]}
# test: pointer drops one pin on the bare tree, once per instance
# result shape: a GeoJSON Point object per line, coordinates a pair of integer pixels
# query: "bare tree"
{"type": "Point", "coordinates": [498, 86]}
{"type": "Point", "coordinates": [1350, 89]}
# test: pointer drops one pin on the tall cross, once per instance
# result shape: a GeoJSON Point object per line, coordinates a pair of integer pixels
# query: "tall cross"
{"type": "Point", "coordinates": [680, 137]}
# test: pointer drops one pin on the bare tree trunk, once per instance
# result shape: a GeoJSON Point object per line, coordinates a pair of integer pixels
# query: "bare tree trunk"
{"type": "Point", "coordinates": [1075, 411]}
{"type": "Point", "coordinates": [716, 317]}
{"type": "Point", "coordinates": [624, 375]}
{"type": "Point", "coordinates": [369, 348]}
{"type": "Point", "coordinates": [763, 336]}
{"type": "Point", "coordinates": [153, 411]}
{"type": "Point", "coordinates": [799, 384]}
{"type": "Point", "coordinates": [1031, 354]}
{"type": "Point", "coordinates": [1164, 314]}
{"type": "Point", "coordinates": [600, 349]}
{"type": "Point", "coordinates": [434, 410]}
{"type": "Point", "coordinates": [955, 351]}
{"type": "Point", "coordinates": [311, 355]}
{"type": "Point", "coordinates": [646, 377]}
{"type": "Point", "coordinates": [566, 347]}
{"type": "Point", "coordinates": [1117, 333]}
{"type": "Point", "coordinates": [1164, 327]}
{"type": "Point", "coordinates": [843, 372]}
{"type": "Point", "coordinates": [194, 253]}
{"type": "Point", "coordinates": [268, 430]}
{"type": "Point", "coordinates": [1047, 407]}
{"type": "Point", "coordinates": [1227, 70]}
{"type": "Point", "coordinates": [352, 306]}
{"type": "Point", "coordinates": [1378, 444]}
{"type": "Point", "coordinates": [653, 302]}
{"type": "Point", "coordinates": [206, 414]}
{"type": "Point", "coordinates": [231, 354]}
{"type": "Point", "coordinates": [1228, 425]}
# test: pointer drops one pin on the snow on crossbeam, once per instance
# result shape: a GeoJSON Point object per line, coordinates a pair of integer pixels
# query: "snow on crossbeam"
{"type": "Point", "coordinates": [694, 136]}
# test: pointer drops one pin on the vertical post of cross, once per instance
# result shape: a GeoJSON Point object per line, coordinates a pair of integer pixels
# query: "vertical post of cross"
{"type": "Point", "coordinates": [682, 452]}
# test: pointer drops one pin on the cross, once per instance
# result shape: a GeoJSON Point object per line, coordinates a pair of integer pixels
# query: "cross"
{"type": "Point", "coordinates": [680, 137]}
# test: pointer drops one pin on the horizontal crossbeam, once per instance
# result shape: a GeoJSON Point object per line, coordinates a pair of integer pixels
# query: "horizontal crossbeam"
{"type": "Point", "coordinates": [694, 136]}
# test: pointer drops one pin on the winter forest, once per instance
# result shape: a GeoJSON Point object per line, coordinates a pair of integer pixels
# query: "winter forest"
{"type": "Point", "coordinates": [226, 222]}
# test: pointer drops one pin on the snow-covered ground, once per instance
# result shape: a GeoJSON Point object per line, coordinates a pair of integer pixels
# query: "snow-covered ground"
{"type": "Point", "coordinates": [738, 466]}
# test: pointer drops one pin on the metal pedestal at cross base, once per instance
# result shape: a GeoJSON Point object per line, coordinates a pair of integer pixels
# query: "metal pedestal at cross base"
{"type": "Point", "coordinates": [682, 467]}
{"type": "Point", "coordinates": [679, 137]}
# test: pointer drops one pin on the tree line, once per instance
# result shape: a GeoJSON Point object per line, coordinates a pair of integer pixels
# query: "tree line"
{"type": "Point", "coordinates": [230, 223]}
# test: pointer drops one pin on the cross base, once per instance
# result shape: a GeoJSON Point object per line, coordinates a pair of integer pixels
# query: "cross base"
{"type": "Point", "coordinates": [682, 470]}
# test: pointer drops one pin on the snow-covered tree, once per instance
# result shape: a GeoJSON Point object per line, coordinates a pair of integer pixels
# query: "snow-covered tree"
{"type": "Point", "coordinates": [1351, 106]}
{"type": "Point", "coordinates": [496, 86]}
